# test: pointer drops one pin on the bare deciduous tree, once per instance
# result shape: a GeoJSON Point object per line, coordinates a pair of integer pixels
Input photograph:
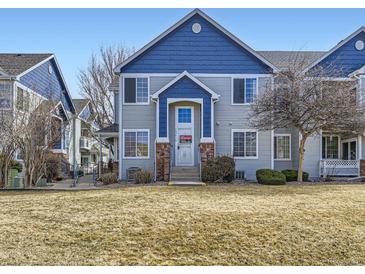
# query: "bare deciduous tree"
{"type": "Point", "coordinates": [40, 130]}
{"type": "Point", "coordinates": [310, 102]}
{"type": "Point", "coordinates": [94, 81]}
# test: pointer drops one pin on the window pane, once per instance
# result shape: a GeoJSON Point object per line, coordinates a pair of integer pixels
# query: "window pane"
{"type": "Point", "coordinates": [5, 95]}
{"type": "Point", "coordinates": [184, 115]}
{"type": "Point", "coordinates": [142, 144]}
{"type": "Point", "coordinates": [282, 147]}
{"type": "Point", "coordinates": [251, 144]}
{"type": "Point", "coordinates": [250, 90]}
{"type": "Point", "coordinates": [130, 90]}
{"type": "Point", "coordinates": [332, 147]}
{"type": "Point", "coordinates": [238, 91]}
{"type": "Point", "coordinates": [130, 144]}
{"type": "Point", "coordinates": [142, 90]}
{"type": "Point", "coordinates": [238, 144]}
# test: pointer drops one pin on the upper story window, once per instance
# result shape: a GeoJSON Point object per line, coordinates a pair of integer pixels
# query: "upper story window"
{"type": "Point", "coordinates": [5, 95]}
{"type": "Point", "coordinates": [244, 90]}
{"type": "Point", "coordinates": [244, 143]}
{"type": "Point", "coordinates": [22, 99]}
{"type": "Point", "coordinates": [136, 90]}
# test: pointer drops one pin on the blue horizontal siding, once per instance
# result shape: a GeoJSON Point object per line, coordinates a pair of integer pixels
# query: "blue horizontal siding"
{"type": "Point", "coordinates": [210, 51]}
{"type": "Point", "coordinates": [347, 58]}
{"type": "Point", "coordinates": [49, 85]}
{"type": "Point", "coordinates": [185, 88]}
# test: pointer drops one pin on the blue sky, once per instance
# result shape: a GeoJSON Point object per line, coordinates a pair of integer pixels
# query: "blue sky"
{"type": "Point", "coordinates": [73, 34]}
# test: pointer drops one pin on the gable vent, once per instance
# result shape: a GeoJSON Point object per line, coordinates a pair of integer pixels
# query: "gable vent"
{"type": "Point", "coordinates": [359, 45]}
{"type": "Point", "coordinates": [196, 28]}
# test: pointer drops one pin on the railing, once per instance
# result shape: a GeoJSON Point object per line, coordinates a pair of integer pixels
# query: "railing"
{"type": "Point", "coordinates": [337, 167]}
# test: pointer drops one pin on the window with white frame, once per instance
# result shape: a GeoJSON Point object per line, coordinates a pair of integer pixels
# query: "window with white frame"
{"type": "Point", "coordinates": [136, 90]}
{"type": "Point", "coordinates": [244, 143]}
{"type": "Point", "coordinates": [5, 94]}
{"type": "Point", "coordinates": [282, 147]}
{"type": "Point", "coordinates": [330, 147]}
{"type": "Point", "coordinates": [244, 90]}
{"type": "Point", "coordinates": [136, 143]}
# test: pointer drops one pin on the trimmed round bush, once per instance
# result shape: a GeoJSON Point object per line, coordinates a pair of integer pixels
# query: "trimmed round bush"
{"type": "Point", "coordinates": [143, 177]}
{"type": "Point", "coordinates": [292, 175]}
{"type": "Point", "coordinates": [109, 178]}
{"type": "Point", "coordinates": [219, 170]}
{"type": "Point", "coordinates": [270, 177]}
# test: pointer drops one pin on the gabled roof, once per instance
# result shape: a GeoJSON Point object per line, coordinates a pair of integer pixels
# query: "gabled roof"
{"type": "Point", "coordinates": [215, 96]}
{"type": "Point", "coordinates": [340, 44]}
{"type": "Point", "coordinates": [15, 64]}
{"type": "Point", "coordinates": [182, 21]}
{"type": "Point", "coordinates": [113, 128]}
{"type": "Point", "coordinates": [80, 104]}
{"type": "Point", "coordinates": [281, 59]}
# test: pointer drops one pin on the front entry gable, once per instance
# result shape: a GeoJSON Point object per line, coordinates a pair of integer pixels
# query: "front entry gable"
{"type": "Point", "coordinates": [207, 50]}
{"type": "Point", "coordinates": [185, 89]}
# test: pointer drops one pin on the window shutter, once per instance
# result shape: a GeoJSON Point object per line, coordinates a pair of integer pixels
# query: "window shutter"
{"type": "Point", "coordinates": [130, 90]}
{"type": "Point", "coordinates": [238, 91]}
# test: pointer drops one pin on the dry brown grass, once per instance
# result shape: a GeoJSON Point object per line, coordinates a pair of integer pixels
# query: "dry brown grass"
{"type": "Point", "coordinates": [237, 225]}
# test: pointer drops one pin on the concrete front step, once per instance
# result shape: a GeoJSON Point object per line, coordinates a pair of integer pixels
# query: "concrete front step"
{"type": "Point", "coordinates": [186, 179]}
{"type": "Point", "coordinates": [185, 174]}
{"type": "Point", "coordinates": [185, 183]}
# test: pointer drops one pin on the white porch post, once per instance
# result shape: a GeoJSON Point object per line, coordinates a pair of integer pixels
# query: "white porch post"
{"type": "Point", "coordinates": [100, 157]}
{"type": "Point", "coordinates": [121, 94]}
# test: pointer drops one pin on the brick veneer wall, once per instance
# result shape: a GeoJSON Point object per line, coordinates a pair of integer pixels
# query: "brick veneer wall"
{"type": "Point", "coordinates": [362, 167]}
{"type": "Point", "coordinates": [163, 161]}
{"type": "Point", "coordinates": [206, 152]}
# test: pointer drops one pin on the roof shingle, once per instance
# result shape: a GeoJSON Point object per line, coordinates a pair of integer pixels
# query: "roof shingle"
{"type": "Point", "coordinates": [16, 63]}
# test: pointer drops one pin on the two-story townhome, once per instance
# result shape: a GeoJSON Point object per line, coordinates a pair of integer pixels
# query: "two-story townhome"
{"type": "Point", "coordinates": [186, 96]}
{"type": "Point", "coordinates": [87, 148]}
{"type": "Point", "coordinates": [24, 77]}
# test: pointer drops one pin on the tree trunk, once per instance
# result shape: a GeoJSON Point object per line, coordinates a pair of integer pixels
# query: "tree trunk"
{"type": "Point", "coordinates": [301, 158]}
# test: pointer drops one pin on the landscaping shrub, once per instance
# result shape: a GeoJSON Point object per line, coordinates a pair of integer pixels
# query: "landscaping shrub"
{"type": "Point", "coordinates": [53, 166]}
{"type": "Point", "coordinates": [270, 177]}
{"type": "Point", "coordinates": [292, 175]}
{"type": "Point", "coordinates": [109, 178]}
{"type": "Point", "coordinates": [16, 165]}
{"type": "Point", "coordinates": [219, 170]}
{"type": "Point", "coordinates": [143, 177]}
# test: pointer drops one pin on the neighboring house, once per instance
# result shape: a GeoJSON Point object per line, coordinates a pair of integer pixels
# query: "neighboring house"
{"type": "Point", "coordinates": [87, 148]}
{"type": "Point", "coordinates": [186, 96]}
{"type": "Point", "coordinates": [26, 76]}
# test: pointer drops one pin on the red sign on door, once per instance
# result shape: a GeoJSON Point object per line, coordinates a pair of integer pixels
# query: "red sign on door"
{"type": "Point", "coordinates": [186, 139]}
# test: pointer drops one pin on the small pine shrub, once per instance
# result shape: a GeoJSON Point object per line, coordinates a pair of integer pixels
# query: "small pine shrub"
{"type": "Point", "coordinates": [292, 175]}
{"type": "Point", "coordinates": [143, 177]}
{"type": "Point", "coordinates": [219, 170]}
{"type": "Point", "coordinates": [270, 177]}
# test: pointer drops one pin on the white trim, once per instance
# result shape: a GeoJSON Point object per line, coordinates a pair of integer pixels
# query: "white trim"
{"type": "Point", "coordinates": [232, 90]}
{"type": "Point", "coordinates": [176, 100]}
{"type": "Point", "coordinates": [120, 130]}
{"type": "Point", "coordinates": [207, 140]}
{"type": "Point", "coordinates": [257, 144]}
{"type": "Point", "coordinates": [272, 149]}
{"type": "Point", "coordinates": [162, 140]}
{"type": "Point", "coordinates": [343, 42]}
{"type": "Point", "coordinates": [360, 147]}
{"type": "Point", "coordinates": [179, 23]}
{"type": "Point", "coordinates": [148, 90]}
{"type": "Point", "coordinates": [216, 75]}
{"type": "Point", "coordinates": [283, 135]}
{"type": "Point", "coordinates": [358, 71]}
{"type": "Point", "coordinates": [137, 157]}
{"type": "Point", "coordinates": [191, 77]}
{"type": "Point", "coordinates": [192, 135]}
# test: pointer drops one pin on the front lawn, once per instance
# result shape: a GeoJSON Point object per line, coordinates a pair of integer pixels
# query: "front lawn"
{"type": "Point", "coordinates": [229, 225]}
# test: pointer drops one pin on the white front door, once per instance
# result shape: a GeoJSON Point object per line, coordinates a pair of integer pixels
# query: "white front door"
{"type": "Point", "coordinates": [184, 136]}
